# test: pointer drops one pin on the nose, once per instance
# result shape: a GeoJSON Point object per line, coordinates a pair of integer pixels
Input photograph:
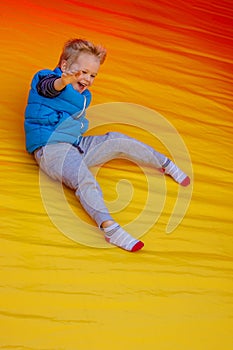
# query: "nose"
{"type": "Point", "coordinates": [88, 78]}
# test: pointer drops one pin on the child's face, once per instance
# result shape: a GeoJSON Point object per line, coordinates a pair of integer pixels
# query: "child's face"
{"type": "Point", "coordinates": [87, 65]}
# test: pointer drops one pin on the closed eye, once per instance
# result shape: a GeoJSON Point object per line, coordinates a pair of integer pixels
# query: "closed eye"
{"type": "Point", "coordinates": [86, 72]}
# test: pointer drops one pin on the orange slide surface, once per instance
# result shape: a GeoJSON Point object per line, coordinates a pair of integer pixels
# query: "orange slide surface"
{"type": "Point", "coordinates": [167, 81]}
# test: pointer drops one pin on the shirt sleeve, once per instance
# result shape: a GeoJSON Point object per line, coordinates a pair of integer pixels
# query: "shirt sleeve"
{"type": "Point", "coordinates": [45, 87]}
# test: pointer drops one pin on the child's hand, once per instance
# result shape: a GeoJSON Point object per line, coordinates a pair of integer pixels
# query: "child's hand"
{"type": "Point", "coordinates": [67, 77]}
{"type": "Point", "coordinates": [70, 76]}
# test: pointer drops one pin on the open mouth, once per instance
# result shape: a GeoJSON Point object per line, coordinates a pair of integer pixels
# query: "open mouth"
{"type": "Point", "coordinates": [81, 86]}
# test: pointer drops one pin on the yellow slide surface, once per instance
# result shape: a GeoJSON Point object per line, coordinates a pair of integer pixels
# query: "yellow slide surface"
{"type": "Point", "coordinates": [167, 81]}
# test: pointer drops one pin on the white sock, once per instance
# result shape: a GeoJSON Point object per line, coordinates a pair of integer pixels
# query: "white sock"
{"type": "Point", "coordinates": [176, 173]}
{"type": "Point", "coordinates": [116, 235]}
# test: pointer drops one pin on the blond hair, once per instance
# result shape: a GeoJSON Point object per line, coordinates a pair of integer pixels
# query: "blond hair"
{"type": "Point", "coordinates": [74, 47]}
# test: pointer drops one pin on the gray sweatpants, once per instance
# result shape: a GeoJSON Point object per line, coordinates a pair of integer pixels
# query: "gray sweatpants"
{"type": "Point", "coordinates": [70, 164]}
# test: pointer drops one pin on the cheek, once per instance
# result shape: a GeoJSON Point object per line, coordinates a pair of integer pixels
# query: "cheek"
{"type": "Point", "coordinates": [92, 81]}
{"type": "Point", "coordinates": [80, 77]}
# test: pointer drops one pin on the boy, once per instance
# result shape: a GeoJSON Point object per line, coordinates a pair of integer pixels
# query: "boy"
{"type": "Point", "coordinates": [55, 122]}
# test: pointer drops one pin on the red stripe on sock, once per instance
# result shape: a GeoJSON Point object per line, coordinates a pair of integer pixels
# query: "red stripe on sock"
{"type": "Point", "coordinates": [139, 245]}
{"type": "Point", "coordinates": [186, 181]}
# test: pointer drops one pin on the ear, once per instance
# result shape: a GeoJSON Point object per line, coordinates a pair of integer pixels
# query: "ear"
{"type": "Point", "coordinates": [63, 65]}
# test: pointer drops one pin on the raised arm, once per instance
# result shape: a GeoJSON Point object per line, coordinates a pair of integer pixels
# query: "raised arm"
{"type": "Point", "coordinates": [52, 84]}
{"type": "Point", "coordinates": [46, 88]}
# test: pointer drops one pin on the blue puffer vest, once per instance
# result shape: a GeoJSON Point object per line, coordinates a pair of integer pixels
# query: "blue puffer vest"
{"type": "Point", "coordinates": [58, 119]}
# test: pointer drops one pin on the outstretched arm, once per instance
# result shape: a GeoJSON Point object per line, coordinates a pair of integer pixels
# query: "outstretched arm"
{"type": "Point", "coordinates": [45, 87]}
{"type": "Point", "coordinates": [52, 85]}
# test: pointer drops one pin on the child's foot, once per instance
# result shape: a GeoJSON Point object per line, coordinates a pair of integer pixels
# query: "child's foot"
{"type": "Point", "coordinates": [177, 174]}
{"type": "Point", "coordinates": [115, 234]}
